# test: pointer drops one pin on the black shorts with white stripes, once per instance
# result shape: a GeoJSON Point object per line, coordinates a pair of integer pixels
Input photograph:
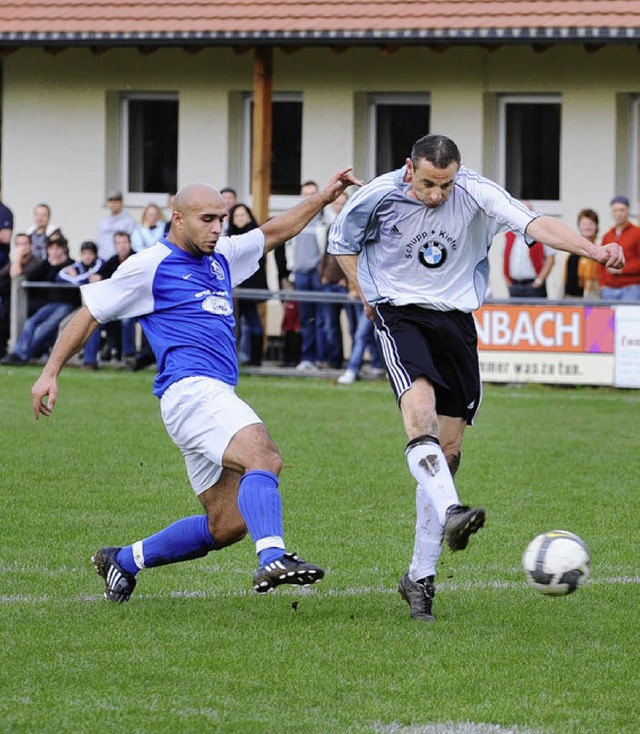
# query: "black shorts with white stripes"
{"type": "Point", "coordinates": [440, 345]}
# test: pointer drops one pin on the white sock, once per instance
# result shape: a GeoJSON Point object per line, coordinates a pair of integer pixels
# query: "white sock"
{"type": "Point", "coordinates": [428, 539]}
{"type": "Point", "coordinates": [429, 468]}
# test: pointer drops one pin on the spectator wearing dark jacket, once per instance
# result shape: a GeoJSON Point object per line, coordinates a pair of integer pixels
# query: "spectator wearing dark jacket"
{"type": "Point", "coordinates": [40, 329]}
{"type": "Point", "coordinates": [22, 262]}
{"type": "Point", "coordinates": [250, 323]}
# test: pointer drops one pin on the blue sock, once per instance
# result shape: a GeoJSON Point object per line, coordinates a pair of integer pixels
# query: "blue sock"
{"type": "Point", "coordinates": [183, 540]}
{"type": "Point", "coordinates": [260, 504]}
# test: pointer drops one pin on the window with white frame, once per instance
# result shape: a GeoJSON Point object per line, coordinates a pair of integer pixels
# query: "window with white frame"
{"type": "Point", "coordinates": [529, 130]}
{"type": "Point", "coordinates": [149, 145]}
{"type": "Point", "coordinates": [395, 122]}
{"type": "Point", "coordinates": [286, 147]}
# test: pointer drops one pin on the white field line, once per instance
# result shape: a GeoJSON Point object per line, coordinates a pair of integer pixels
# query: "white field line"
{"type": "Point", "coordinates": [450, 727]}
{"type": "Point", "coordinates": [299, 591]}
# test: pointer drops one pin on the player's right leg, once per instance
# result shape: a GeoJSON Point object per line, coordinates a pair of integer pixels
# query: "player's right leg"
{"type": "Point", "coordinates": [253, 452]}
{"type": "Point", "coordinates": [417, 586]}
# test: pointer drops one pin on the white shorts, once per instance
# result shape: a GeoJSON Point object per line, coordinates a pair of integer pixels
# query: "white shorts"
{"type": "Point", "coordinates": [202, 415]}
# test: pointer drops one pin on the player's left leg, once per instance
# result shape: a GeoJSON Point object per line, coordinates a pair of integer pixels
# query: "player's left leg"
{"type": "Point", "coordinates": [201, 416]}
{"type": "Point", "coordinates": [450, 432]}
{"type": "Point", "coordinates": [184, 540]}
{"type": "Point", "coordinates": [461, 521]}
{"type": "Point", "coordinates": [425, 457]}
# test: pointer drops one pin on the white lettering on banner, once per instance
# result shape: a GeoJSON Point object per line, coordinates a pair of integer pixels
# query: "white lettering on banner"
{"type": "Point", "coordinates": [494, 328]}
{"type": "Point", "coordinates": [547, 329]}
{"type": "Point", "coordinates": [523, 330]}
{"type": "Point", "coordinates": [572, 329]}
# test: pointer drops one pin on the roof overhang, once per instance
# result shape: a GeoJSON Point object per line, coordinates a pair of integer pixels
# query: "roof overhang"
{"type": "Point", "coordinates": [409, 37]}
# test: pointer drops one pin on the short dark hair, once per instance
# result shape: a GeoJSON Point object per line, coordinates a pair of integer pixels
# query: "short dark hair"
{"type": "Point", "coordinates": [589, 214]}
{"type": "Point", "coordinates": [23, 234]}
{"type": "Point", "coordinates": [228, 190]}
{"type": "Point", "coordinates": [437, 149]}
{"type": "Point", "coordinates": [89, 245]}
{"type": "Point", "coordinates": [57, 238]}
{"type": "Point", "coordinates": [121, 233]}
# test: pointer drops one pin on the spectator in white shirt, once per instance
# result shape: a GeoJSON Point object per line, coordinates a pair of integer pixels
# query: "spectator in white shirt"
{"type": "Point", "coordinates": [118, 220]}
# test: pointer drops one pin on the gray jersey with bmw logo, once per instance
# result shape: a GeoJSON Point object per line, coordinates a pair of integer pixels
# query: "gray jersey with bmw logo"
{"type": "Point", "coordinates": [436, 258]}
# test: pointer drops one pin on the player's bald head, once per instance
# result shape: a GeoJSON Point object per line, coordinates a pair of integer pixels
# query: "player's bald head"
{"type": "Point", "coordinates": [195, 195]}
{"type": "Point", "coordinates": [197, 217]}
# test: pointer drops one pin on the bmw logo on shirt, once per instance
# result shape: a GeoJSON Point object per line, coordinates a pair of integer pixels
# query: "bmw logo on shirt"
{"type": "Point", "coordinates": [432, 255]}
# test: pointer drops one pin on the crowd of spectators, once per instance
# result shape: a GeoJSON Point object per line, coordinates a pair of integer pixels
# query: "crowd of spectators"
{"type": "Point", "coordinates": [312, 332]}
{"type": "Point", "coordinates": [41, 254]}
{"type": "Point", "coordinates": [48, 306]}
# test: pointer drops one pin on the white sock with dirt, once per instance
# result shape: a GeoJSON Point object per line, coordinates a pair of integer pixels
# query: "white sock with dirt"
{"type": "Point", "coordinates": [428, 538]}
{"type": "Point", "coordinates": [429, 468]}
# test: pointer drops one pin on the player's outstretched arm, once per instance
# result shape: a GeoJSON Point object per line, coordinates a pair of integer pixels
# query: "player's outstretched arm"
{"type": "Point", "coordinates": [557, 235]}
{"type": "Point", "coordinates": [290, 223]}
{"type": "Point", "coordinates": [75, 334]}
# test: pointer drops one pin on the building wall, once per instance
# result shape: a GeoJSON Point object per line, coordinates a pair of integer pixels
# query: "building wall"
{"type": "Point", "coordinates": [60, 124]}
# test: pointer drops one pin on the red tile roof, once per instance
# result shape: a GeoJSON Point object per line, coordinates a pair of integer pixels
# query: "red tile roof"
{"type": "Point", "coordinates": [356, 21]}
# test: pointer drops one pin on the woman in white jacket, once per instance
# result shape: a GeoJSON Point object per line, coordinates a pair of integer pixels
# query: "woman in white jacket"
{"type": "Point", "coordinates": [150, 229]}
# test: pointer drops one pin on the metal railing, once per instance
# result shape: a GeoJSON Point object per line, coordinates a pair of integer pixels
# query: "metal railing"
{"type": "Point", "coordinates": [20, 288]}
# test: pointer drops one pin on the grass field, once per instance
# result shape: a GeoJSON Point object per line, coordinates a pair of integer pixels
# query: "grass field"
{"type": "Point", "coordinates": [196, 650]}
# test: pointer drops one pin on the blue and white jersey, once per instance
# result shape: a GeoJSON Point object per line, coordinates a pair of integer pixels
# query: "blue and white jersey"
{"type": "Point", "coordinates": [184, 303]}
{"type": "Point", "coordinates": [82, 272]}
{"type": "Point", "coordinates": [411, 254]}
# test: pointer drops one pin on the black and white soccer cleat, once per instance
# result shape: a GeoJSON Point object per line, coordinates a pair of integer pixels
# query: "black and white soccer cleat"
{"type": "Point", "coordinates": [288, 569]}
{"type": "Point", "coordinates": [119, 584]}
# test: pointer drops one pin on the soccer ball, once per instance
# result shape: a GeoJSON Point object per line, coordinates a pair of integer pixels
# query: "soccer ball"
{"type": "Point", "coordinates": [556, 562]}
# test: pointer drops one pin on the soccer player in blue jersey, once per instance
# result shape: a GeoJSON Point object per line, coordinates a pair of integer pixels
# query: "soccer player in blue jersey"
{"type": "Point", "coordinates": [416, 243]}
{"type": "Point", "coordinates": [181, 290]}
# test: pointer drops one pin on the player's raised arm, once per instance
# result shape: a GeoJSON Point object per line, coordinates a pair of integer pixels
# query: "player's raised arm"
{"type": "Point", "coordinates": [557, 235]}
{"type": "Point", "coordinates": [288, 224]}
{"type": "Point", "coordinates": [74, 336]}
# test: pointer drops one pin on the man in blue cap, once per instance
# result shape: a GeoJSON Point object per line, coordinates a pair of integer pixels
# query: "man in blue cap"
{"type": "Point", "coordinates": [622, 284]}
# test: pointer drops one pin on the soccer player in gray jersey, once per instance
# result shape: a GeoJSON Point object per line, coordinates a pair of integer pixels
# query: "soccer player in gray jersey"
{"type": "Point", "coordinates": [416, 243]}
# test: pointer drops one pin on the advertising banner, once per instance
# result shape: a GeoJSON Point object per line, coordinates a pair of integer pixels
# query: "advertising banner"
{"type": "Point", "coordinates": [627, 346]}
{"type": "Point", "coordinates": [550, 344]}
